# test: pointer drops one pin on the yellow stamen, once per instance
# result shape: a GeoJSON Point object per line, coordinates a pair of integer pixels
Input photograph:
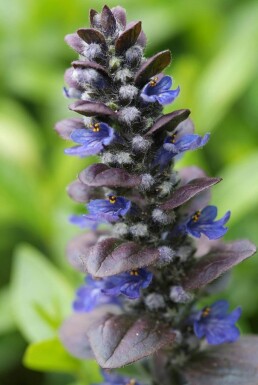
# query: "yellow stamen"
{"type": "Point", "coordinates": [196, 216]}
{"type": "Point", "coordinates": [96, 127]}
{"type": "Point", "coordinates": [206, 311]}
{"type": "Point", "coordinates": [173, 138]}
{"type": "Point", "coordinates": [153, 82]}
{"type": "Point", "coordinates": [112, 199]}
{"type": "Point", "coordinates": [134, 272]}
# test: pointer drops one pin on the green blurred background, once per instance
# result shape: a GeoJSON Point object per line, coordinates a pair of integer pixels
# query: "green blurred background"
{"type": "Point", "coordinates": [214, 44]}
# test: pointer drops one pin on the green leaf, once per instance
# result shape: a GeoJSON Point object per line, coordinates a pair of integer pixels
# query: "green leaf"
{"type": "Point", "coordinates": [50, 355]}
{"type": "Point", "coordinates": [41, 297]}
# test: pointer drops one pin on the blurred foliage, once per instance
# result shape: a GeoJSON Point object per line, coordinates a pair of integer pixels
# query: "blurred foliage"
{"type": "Point", "coordinates": [214, 44]}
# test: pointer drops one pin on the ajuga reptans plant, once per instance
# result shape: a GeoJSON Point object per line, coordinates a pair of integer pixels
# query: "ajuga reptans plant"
{"type": "Point", "coordinates": [152, 244]}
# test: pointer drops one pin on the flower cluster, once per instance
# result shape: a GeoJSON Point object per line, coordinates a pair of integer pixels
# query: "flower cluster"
{"type": "Point", "coordinates": [153, 246]}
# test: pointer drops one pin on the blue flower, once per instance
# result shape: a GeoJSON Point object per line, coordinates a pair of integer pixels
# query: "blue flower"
{"type": "Point", "coordinates": [110, 209]}
{"type": "Point", "coordinates": [90, 296]}
{"type": "Point", "coordinates": [129, 283]}
{"type": "Point", "coordinates": [203, 222]}
{"type": "Point", "coordinates": [102, 291]}
{"type": "Point", "coordinates": [107, 210]}
{"type": "Point", "coordinates": [117, 379]}
{"type": "Point", "coordinates": [177, 144]}
{"type": "Point", "coordinates": [159, 91]}
{"type": "Point", "coordinates": [91, 140]}
{"type": "Point", "coordinates": [216, 324]}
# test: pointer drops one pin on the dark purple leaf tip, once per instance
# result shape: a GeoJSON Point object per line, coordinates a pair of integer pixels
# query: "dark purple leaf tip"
{"type": "Point", "coordinates": [92, 109]}
{"type": "Point", "coordinates": [103, 175]}
{"type": "Point", "coordinates": [128, 38]}
{"type": "Point", "coordinates": [90, 35]}
{"type": "Point", "coordinates": [169, 122]}
{"type": "Point", "coordinates": [220, 259]}
{"type": "Point", "coordinates": [152, 67]}
{"type": "Point", "coordinates": [185, 193]}
{"type": "Point", "coordinates": [108, 21]}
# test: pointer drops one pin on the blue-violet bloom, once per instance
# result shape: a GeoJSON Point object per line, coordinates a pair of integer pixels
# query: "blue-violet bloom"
{"type": "Point", "coordinates": [159, 91]}
{"type": "Point", "coordinates": [110, 209]}
{"type": "Point", "coordinates": [216, 324]}
{"type": "Point", "coordinates": [203, 222]}
{"type": "Point", "coordinates": [91, 140]}
{"type": "Point", "coordinates": [177, 144]}
{"type": "Point", "coordinates": [129, 283]}
{"type": "Point", "coordinates": [102, 291]}
{"type": "Point", "coordinates": [90, 296]}
{"type": "Point", "coordinates": [101, 211]}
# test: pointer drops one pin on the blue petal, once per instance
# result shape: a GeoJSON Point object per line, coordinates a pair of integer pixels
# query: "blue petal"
{"type": "Point", "coordinates": [235, 315]}
{"type": "Point", "coordinates": [109, 211]}
{"type": "Point", "coordinates": [163, 85]}
{"type": "Point", "coordinates": [219, 308]}
{"type": "Point", "coordinates": [89, 221]}
{"type": "Point", "coordinates": [191, 142]}
{"type": "Point", "coordinates": [199, 329]}
{"type": "Point", "coordinates": [208, 214]}
{"type": "Point", "coordinates": [222, 333]}
{"type": "Point", "coordinates": [167, 97]}
{"type": "Point", "coordinates": [213, 232]}
{"type": "Point", "coordinates": [224, 220]}
{"type": "Point", "coordinates": [82, 135]}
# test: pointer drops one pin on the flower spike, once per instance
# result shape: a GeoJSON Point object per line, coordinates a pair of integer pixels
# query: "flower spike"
{"type": "Point", "coordinates": [154, 247]}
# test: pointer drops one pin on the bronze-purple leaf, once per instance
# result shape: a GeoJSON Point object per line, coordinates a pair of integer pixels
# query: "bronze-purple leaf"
{"type": "Point", "coordinates": [118, 340]}
{"type": "Point", "coordinates": [75, 42]}
{"type": "Point", "coordinates": [79, 247]}
{"type": "Point", "coordinates": [227, 364]}
{"type": "Point", "coordinates": [169, 121]}
{"type": "Point", "coordinates": [108, 21]}
{"type": "Point", "coordinates": [220, 259]}
{"type": "Point", "coordinates": [152, 67]}
{"type": "Point", "coordinates": [120, 15]}
{"type": "Point", "coordinates": [90, 64]}
{"type": "Point", "coordinates": [128, 38]}
{"type": "Point", "coordinates": [102, 175]}
{"type": "Point", "coordinates": [113, 256]}
{"type": "Point", "coordinates": [82, 193]}
{"type": "Point", "coordinates": [65, 127]}
{"type": "Point", "coordinates": [92, 109]}
{"type": "Point", "coordinates": [184, 193]}
{"type": "Point", "coordinates": [90, 35]}
{"type": "Point", "coordinates": [93, 13]}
